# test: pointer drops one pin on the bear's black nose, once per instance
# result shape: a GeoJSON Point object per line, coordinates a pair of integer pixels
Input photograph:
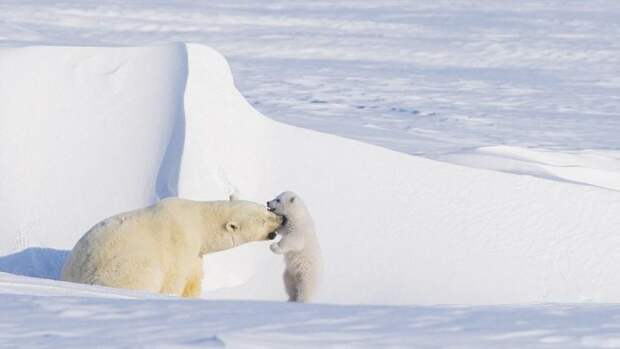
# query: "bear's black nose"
{"type": "Point", "coordinates": [271, 236]}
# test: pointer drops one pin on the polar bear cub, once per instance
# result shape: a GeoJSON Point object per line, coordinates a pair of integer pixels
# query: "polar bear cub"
{"type": "Point", "coordinates": [300, 247]}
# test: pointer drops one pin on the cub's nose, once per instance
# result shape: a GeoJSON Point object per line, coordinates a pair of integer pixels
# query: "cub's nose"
{"type": "Point", "coordinates": [271, 236]}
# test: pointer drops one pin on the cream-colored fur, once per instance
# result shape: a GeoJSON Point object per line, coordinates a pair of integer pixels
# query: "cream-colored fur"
{"type": "Point", "coordinates": [160, 248]}
{"type": "Point", "coordinates": [300, 246]}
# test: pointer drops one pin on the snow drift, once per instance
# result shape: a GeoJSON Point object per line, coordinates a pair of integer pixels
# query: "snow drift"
{"type": "Point", "coordinates": [88, 132]}
{"type": "Point", "coordinates": [83, 135]}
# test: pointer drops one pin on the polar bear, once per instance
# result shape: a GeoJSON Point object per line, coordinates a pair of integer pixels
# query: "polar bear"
{"type": "Point", "coordinates": [300, 247]}
{"type": "Point", "coordinates": [160, 248]}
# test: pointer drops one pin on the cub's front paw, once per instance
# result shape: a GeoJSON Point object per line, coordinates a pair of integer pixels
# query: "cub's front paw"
{"type": "Point", "coordinates": [275, 248]}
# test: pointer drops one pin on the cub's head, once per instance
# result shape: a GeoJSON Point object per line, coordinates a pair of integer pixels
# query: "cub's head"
{"type": "Point", "coordinates": [285, 204]}
{"type": "Point", "coordinates": [248, 221]}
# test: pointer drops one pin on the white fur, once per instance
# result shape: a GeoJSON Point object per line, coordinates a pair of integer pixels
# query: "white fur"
{"type": "Point", "coordinates": [160, 248]}
{"type": "Point", "coordinates": [300, 246]}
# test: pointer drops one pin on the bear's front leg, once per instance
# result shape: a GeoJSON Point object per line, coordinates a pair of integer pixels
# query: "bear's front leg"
{"type": "Point", "coordinates": [193, 287]}
{"type": "Point", "coordinates": [288, 243]}
{"type": "Point", "coordinates": [275, 248]}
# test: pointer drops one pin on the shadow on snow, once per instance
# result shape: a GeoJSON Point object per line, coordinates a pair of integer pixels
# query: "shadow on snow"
{"type": "Point", "coordinates": [35, 262]}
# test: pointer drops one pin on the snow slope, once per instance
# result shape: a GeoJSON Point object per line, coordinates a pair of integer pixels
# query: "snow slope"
{"type": "Point", "coordinates": [598, 168]}
{"type": "Point", "coordinates": [425, 231]}
{"type": "Point", "coordinates": [447, 77]}
{"type": "Point", "coordinates": [81, 138]}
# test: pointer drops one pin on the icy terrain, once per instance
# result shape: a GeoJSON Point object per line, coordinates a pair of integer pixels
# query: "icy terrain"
{"type": "Point", "coordinates": [395, 228]}
{"type": "Point", "coordinates": [440, 78]}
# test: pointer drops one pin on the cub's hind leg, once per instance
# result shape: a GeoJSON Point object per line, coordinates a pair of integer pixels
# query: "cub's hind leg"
{"type": "Point", "coordinates": [291, 286]}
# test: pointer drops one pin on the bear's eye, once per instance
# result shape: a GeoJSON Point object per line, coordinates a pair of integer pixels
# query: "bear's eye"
{"type": "Point", "coordinates": [278, 200]}
{"type": "Point", "coordinates": [232, 226]}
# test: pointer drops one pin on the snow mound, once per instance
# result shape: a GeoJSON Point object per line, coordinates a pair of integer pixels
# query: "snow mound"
{"type": "Point", "coordinates": [84, 133]}
{"type": "Point", "coordinates": [94, 131]}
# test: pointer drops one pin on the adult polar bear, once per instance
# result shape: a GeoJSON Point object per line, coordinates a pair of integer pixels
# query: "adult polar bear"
{"type": "Point", "coordinates": [160, 248]}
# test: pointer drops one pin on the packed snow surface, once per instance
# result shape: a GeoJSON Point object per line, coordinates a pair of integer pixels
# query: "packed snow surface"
{"type": "Point", "coordinates": [87, 316]}
{"type": "Point", "coordinates": [514, 196]}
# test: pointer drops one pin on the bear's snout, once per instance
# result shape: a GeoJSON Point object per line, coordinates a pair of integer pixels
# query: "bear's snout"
{"type": "Point", "coordinates": [272, 235]}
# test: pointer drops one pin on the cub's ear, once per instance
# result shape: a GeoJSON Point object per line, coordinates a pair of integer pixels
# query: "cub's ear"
{"type": "Point", "coordinates": [291, 200]}
{"type": "Point", "coordinates": [232, 226]}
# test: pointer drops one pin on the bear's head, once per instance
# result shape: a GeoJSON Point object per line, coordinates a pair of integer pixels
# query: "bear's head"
{"type": "Point", "coordinates": [246, 221]}
{"type": "Point", "coordinates": [287, 204]}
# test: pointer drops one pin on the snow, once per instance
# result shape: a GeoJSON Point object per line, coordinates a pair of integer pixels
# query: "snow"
{"type": "Point", "coordinates": [68, 123]}
{"type": "Point", "coordinates": [54, 314]}
{"type": "Point", "coordinates": [422, 78]}
{"type": "Point", "coordinates": [521, 208]}
{"type": "Point", "coordinates": [598, 168]}
{"type": "Point", "coordinates": [428, 213]}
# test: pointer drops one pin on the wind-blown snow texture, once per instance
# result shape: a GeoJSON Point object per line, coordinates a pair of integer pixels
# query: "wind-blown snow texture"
{"type": "Point", "coordinates": [395, 228]}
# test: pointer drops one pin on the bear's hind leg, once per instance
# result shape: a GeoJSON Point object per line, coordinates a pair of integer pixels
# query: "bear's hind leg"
{"type": "Point", "coordinates": [303, 294]}
{"type": "Point", "coordinates": [291, 287]}
{"type": "Point", "coordinates": [305, 286]}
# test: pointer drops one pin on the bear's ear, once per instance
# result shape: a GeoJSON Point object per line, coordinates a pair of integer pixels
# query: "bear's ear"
{"type": "Point", "coordinates": [232, 226]}
{"type": "Point", "coordinates": [233, 197]}
{"type": "Point", "coordinates": [291, 200]}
